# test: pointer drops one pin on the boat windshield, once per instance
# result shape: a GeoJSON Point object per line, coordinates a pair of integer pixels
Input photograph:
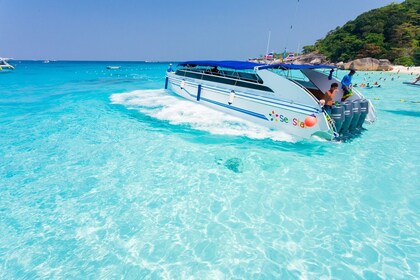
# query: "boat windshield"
{"type": "Point", "coordinates": [297, 76]}
{"type": "Point", "coordinates": [247, 75]}
{"type": "Point", "coordinates": [2, 62]}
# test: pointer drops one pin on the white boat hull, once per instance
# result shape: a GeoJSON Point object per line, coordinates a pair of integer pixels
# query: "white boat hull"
{"type": "Point", "coordinates": [4, 68]}
{"type": "Point", "coordinates": [253, 106]}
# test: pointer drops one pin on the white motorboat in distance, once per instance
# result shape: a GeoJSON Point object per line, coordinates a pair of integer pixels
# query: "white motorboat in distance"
{"type": "Point", "coordinates": [113, 67]}
{"type": "Point", "coordinates": [283, 97]}
{"type": "Point", "coordinates": [4, 66]}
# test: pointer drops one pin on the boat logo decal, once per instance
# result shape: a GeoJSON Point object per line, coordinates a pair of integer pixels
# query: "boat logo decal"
{"type": "Point", "coordinates": [280, 118]}
{"type": "Point", "coordinates": [274, 116]}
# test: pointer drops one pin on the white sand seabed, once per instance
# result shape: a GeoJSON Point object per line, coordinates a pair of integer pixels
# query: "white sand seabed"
{"type": "Point", "coordinates": [406, 70]}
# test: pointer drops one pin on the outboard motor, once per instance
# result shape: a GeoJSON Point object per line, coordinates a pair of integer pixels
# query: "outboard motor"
{"type": "Point", "coordinates": [337, 114]}
{"type": "Point", "coordinates": [348, 115]}
{"type": "Point", "coordinates": [356, 115]}
{"type": "Point", "coordinates": [364, 110]}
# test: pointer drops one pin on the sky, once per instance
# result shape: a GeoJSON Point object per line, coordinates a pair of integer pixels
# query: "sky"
{"type": "Point", "coordinates": [167, 30]}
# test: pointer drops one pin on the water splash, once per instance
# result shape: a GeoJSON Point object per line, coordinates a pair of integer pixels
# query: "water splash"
{"type": "Point", "coordinates": [164, 106]}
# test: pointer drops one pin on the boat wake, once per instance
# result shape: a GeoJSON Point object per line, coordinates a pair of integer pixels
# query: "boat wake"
{"type": "Point", "coordinates": [163, 106]}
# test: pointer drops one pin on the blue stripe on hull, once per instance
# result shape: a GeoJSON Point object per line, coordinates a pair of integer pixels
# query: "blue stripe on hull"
{"type": "Point", "coordinates": [254, 114]}
{"type": "Point", "coordinates": [314, 110]}
{"type": "Point", "coordinates": [236, 109]}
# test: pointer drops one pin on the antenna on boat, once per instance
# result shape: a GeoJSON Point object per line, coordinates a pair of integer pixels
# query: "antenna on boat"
{"type": "Point", "coordinates": [290, 29]}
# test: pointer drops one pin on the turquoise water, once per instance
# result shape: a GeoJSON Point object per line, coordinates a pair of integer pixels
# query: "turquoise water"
{"type": "Point", "coordinates": [104, 175]}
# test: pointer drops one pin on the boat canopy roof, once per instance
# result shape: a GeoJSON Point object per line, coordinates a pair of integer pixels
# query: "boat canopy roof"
{"type": "Point", "coordinates": [286, 66]}
{"type": "Point", "coordinates": [243, 65]}
{"type": "Point", "coordinates": [232, 64]}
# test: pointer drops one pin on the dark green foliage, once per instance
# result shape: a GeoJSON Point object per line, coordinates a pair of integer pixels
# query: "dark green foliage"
{"type": "Point", "coordinates": [308, 49]}
{"type": "Point", "coordinates": [391, 32]}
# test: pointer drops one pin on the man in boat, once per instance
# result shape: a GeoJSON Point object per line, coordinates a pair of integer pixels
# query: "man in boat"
{"type": "Point", "coordinates": [170, 68]}
{"type": "Point", "coordinates": [346, 85]}
{"type": "Point", "coordinates": [329, 97]}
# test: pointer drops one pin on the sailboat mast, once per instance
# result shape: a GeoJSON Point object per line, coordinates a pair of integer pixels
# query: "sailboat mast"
{"type": "Point", "coordinates": [268, 43]}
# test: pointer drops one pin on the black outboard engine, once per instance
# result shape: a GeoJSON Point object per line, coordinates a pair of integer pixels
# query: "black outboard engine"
{"type": "Point", "coordinates": [348, 115]}
{"type": "Point", "coordinates": [337, 114]}
{"type": "Point", "coordinates": [364, 110]}
{"type": "Point", "coordinates": [356, 115]}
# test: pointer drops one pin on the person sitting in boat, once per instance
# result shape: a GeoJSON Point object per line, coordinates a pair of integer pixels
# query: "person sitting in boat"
{"type": "Point", "coordinates": [346, 85]}
{"type": "Point", "coordinates": [214, 70]}
{"type": "Point", "coordinates": [170, 68]}
{"type": "Point", "coordinates": [329, 97]}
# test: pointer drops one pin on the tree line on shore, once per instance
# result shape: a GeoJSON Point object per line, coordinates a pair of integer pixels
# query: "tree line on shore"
{"type": "Point", "coordinates": [391, 32]}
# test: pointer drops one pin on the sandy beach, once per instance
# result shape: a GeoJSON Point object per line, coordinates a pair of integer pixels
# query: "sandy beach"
{"type": "Point", "coordinates": [406, 70]}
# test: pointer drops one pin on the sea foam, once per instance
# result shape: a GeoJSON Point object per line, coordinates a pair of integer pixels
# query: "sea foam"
{"type": "Point", "coordinates": [161, 105]}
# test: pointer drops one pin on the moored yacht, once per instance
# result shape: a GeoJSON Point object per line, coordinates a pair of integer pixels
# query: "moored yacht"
{"type": "Point", "coordinates": [284, 97]}
{"type": "Point", "coordinates": [4, 66]}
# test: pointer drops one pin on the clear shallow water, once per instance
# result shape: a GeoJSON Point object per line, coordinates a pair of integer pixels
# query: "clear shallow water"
{"type": "Point", "coordinates": [104, 175]}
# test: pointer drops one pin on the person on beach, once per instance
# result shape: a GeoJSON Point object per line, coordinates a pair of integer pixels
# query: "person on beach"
{"type": "Point", "coordinates": [329, 97]}
{"type": "Point", "coordinates": [346, 85]}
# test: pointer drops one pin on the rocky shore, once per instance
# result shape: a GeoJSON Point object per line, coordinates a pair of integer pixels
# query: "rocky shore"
{"type": "Point", "coordinates": [361, 64]}
{"type": "Point", "coordinates": [366, 64]}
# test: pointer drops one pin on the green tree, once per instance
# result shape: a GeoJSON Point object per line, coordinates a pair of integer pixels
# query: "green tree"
{"type": "Point", "coordinates": [391, 32]}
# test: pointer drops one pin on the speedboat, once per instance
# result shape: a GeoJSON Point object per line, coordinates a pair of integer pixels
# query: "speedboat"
{"type": "Point", "coordinates": [4, 66]}
{"type": "Point", "coordinates": [113, 67]}
{"type": "Point", "coordinates": [284, 97]}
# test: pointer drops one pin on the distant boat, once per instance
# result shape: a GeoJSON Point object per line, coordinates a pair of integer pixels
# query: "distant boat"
{"type": "Point", "coordinates": [46, 61]}
{"type": "Point", "coordinates": [269, 56]}
{"type": "Point", "coordinates": [4, 66]}
{"type": "Point", "coordinates": [113, 67]}
{"type": "Point", "coordinates": [290, 57]}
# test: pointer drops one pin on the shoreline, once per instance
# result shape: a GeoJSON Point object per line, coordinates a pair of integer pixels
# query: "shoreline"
{"type": "Point", "coordinates": [414, 70]}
